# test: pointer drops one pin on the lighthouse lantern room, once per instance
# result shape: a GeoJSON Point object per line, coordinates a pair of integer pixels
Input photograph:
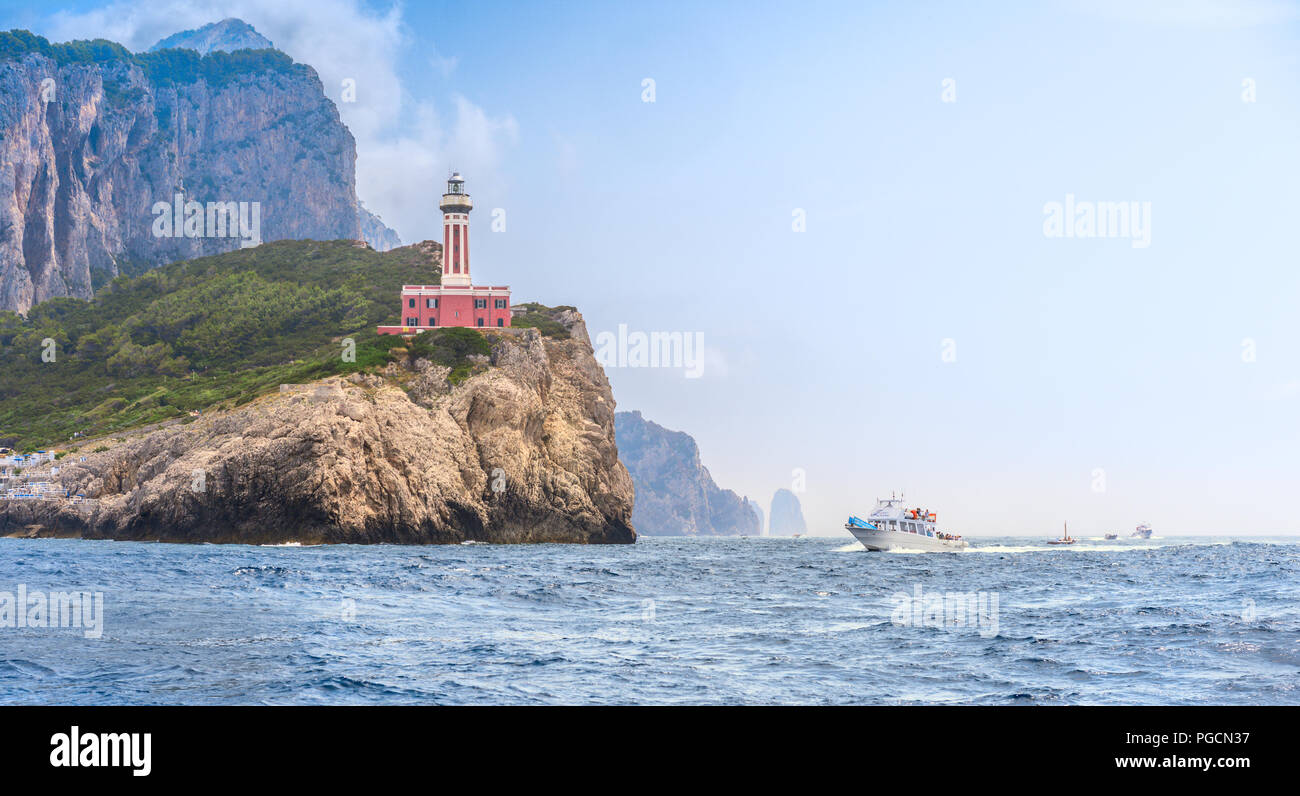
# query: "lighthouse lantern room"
{"type": "Point", "coordinates": [456, 301]}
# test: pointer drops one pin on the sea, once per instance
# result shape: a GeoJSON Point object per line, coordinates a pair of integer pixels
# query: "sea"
{"type": "Point", "coordinates": [666, 621]}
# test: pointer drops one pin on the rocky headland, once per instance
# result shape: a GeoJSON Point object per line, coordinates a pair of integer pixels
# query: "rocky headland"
{"type": "Point", "coordinates": [519, 448]}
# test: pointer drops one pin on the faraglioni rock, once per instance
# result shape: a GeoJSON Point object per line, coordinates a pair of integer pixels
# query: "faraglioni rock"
{"type": "Point", "coordinates": [94, 139]}
{"type": "Point", "coordinates": [786, 517]}
{"type": "Point", "coordinates": [523, 450]}
{"type": "Point", "coordinates": [675, 495]}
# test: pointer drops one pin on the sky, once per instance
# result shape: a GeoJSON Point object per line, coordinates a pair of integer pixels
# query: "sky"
{"type": "Point", "coordinates": [847, 202]}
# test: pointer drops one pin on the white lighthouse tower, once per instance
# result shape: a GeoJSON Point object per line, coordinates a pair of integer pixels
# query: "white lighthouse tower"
{"type": "Point", "coordinates": [455, 205]}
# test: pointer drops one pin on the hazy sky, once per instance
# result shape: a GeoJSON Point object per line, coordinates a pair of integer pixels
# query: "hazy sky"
{"type": "Point", "coordinates": [1086, 379]}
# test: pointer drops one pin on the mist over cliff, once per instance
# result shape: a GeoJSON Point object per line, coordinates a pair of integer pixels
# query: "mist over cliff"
{"type": "Point", "coordinates": [675, 494]}
{"type": "Point", "coordinates": [786, 517]}
{"type": "Point", "coordinates": [93, 138]}
{"type": "Point", "coordinates": [227, 35]}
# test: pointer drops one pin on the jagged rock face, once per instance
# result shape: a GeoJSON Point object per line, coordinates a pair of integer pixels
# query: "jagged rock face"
{"type": "Point", "coordinates": [524, 452]}
{"type": "Point", "coordinates": [786, 518]}
{"type": "Point", "coordinates": [675, 495]}
{"type": "Point", "coordinates": [81, 173]}
{"type": "Point", "coordinates": [227, 35]}
{"type": "Point", "coordinates": [758, 512]}
{"type": "Point", "coordinates": [375, 232]}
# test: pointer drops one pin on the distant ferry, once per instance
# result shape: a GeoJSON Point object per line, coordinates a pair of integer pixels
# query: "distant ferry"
{"type": "Point", "coordinates": [1143, 531]}
{"type": "Point", "coordinates": [891, 526]}
{"type": "Point", "coordinates": [1112, 536]}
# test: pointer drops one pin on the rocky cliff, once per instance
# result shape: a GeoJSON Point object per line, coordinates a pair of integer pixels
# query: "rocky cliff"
{"type": "Point", "coordinates": [675, 494]}
{"type": "Point", "coordinates": [227, 35]}
{"type": "Point", "coordinates": [758, 513]}
{"type": "Point", "coordinates": [522, 450]}
{"type": "Point", "coordinates": [375, 232]}
{"type": "Point", "coordinates": [786, 516]}
{"type": "Point", "coordinates": [93, 138]}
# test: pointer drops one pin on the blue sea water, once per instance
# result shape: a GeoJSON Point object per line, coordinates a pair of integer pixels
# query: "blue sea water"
{"type": "Point", "coordinates": [664, 621]}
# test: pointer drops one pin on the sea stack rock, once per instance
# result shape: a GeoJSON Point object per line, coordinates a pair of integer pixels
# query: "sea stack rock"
{"type": "Point", "coordinates": [787, 516]}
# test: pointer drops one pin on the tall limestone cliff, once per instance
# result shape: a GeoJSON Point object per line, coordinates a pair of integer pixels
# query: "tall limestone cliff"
{"type": "Point", "coordinates": [786, 516]}
{"type": "Point", "coordinates": [230, 35]}
{"type": "Point", "coordinates": [521, 450]}
{"type": "Point", "coordinates": [93, 137]}
{"type": "Point", "coordinates": [675, 494]}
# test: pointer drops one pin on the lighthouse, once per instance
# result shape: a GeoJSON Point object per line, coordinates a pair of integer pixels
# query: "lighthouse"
{"type": "Point", "coordinates": [455, 206]}
{"type": "Point", "coordinates": [456, 300]}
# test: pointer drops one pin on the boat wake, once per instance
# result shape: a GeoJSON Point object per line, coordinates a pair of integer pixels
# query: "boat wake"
{"type": "Point", "coordinates": [1043, 547]}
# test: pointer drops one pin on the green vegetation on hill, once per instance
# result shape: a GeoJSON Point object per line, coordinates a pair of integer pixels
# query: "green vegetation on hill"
{"type": "Point", "coordinates": [164, 67]}
{"type": "Point", "coordinates": [211, 332]}
{"type": "Point", "coordinates": [540, 317]}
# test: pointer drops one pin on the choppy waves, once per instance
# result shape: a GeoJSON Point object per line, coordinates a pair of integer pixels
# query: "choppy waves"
{"type": "Point", "coordinates": [665, 621]}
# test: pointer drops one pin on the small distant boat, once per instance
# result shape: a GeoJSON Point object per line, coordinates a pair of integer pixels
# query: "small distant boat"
{"type": "Point", "coordinates": [1065, 537]}
{"type": "Point", "coordinates": [1143, 531]}
{"type": "Point", "coordinates": [1110, 536]}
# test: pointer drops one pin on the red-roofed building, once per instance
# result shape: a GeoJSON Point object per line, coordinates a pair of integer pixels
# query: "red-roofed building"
{"type": "Point", "coordinates": [457, 301]}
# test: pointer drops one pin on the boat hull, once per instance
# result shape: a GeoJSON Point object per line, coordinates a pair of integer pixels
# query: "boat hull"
{"type": "Point", "coordinates": [895, 540]}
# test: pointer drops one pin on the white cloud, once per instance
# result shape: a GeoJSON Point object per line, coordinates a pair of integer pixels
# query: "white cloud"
{"type": "Point", "coordinates": [403, 149]}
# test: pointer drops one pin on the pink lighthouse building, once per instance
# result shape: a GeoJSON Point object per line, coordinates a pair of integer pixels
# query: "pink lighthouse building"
{"type": "Point", "coordinates": [457, 301]}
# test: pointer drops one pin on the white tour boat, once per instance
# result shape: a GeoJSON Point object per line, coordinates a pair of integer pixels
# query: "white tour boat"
{"type": "Point", "coordinates": [892, 526]}
{"type": "Point", "coordinates": [1143, 531]}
